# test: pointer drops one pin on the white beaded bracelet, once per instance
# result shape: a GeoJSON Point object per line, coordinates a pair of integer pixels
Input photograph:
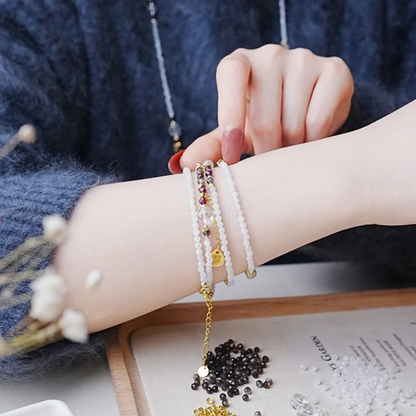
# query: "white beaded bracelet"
{"type": "Point", "coordinates": [221, 230]}
{"type": "Point", "coordinates": [195, 228]}
{"type": "Point", "coordinates": [251, 272]}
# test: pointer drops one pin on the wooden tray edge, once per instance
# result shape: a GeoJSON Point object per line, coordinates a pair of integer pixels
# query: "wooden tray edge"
{"type": "Point", "coordinates": [126, 378]}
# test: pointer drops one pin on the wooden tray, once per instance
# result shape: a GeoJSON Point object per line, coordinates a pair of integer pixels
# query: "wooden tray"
{"type": "Point", "coordinates": [126, 378]}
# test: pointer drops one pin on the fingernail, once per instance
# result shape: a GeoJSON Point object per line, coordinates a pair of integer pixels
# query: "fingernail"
{"type": "Point", "coordinates": [174, 165]}
{"type": "Point", "coordinates": [232, 144]}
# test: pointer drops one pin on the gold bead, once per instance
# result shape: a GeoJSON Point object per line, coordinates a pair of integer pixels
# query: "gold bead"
{"type": "Point", "coordinates": [176, 138]}
{"type": "Point", "coordinates": [210, 401]}
{"type": "Point", "coordinates": [219, 162]}
{"type": "Point", "coordinates": [177, 146]}
{"type": "Point", "coordinates": [251, 275]}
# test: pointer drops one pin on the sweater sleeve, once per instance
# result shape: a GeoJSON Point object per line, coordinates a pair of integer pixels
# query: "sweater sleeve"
{"type": "Point", "coordinates": [43, 82]}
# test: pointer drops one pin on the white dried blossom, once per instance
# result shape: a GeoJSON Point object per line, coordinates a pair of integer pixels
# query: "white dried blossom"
{"type": "Point", "coordinates": [74, 326]}
{"type": "Point", "coordinates": [94, 278]}
{"type": "Point", "coordinates": [55, 228]}
{"type": "Point", "coordinates": [27, 133]}
{"type": "Point", "coordinates": [48, 297]}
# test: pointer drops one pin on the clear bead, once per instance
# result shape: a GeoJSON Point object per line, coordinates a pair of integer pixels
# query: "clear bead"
{"type": "Point", "coordinates": [298, 400]}
{"type": "Point", "coordinates": [174, 129]}
{"type": "Point", "coordinates": [206, 215]}
{"type": "Point", "coordinates": [152, 9]}
{"type": "Point", "coordinates": [306, 410]}
{"type": "Point", "coordinates": [320, 412]}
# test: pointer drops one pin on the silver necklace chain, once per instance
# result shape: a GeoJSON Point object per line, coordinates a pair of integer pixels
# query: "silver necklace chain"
{"type": "Point", "coordinates": [174, 128]}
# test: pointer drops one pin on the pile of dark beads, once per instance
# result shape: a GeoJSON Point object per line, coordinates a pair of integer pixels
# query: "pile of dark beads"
{"type": "Point", "coordinates": [231, 367]}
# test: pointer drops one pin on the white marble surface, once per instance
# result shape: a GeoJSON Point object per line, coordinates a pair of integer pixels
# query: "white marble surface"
{"type": "Point", "coordinates": [89, 391]}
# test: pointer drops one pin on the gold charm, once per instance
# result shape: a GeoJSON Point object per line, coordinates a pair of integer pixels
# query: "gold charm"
{"type": "Point", "coordinates": [218, 259]}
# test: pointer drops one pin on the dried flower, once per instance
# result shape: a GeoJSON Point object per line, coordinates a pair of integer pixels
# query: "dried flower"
{"type": "Point", "coordinates": [74, 326]}
{"type": "Point", "coordinates": [55, 228]}
{"type": "Point", "coordinates": [27, 134]}
{"type": "Point", "coordinates": [48, 297]}
{"type": "Point", "coordinates": [94, 278]}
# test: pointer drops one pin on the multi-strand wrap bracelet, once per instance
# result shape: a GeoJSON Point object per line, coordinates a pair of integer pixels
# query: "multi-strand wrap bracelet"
{"type": "Point", "coordinates": [208, 258]}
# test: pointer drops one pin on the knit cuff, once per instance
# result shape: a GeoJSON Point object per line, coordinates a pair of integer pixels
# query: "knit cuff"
{"type": "Point", "coordinates": [26, 198]}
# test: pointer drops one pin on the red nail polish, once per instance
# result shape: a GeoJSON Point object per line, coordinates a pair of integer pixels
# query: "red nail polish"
{"type": "Point", "coordinates": [232, 144]}
{"type": "Point", "coordinates": [174, 165]}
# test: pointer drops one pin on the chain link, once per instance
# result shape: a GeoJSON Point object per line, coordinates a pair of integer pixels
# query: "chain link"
{"type": "Point", "coordinates": [207, 294]}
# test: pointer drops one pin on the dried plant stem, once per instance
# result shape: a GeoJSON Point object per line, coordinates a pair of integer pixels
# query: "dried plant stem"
{"type": "Point", "coordinates": [32, 340]}
{"type": "Point", "coordinates": [21, 255]}
{"type": "Point", "coordinates": [26, 275]}
{"type": "Point", "coordinates": [14, 301]}
{"type": "Point", "coordinates": [9, 146]}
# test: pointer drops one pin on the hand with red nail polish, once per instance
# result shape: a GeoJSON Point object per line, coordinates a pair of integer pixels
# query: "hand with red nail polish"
{"type": "Point", "coordinates": [273, 97]}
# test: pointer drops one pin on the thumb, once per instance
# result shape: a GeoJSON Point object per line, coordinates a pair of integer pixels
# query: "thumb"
{"type": "Point", "coordinates": [203, 148]}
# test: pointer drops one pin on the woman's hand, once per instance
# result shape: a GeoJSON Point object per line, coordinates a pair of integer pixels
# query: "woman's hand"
{"type": "Point", "coordinates": [272, 97]}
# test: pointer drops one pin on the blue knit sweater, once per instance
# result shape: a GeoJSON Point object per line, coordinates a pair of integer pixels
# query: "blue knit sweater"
{"type": "Point", "coordinates": [84, 72]}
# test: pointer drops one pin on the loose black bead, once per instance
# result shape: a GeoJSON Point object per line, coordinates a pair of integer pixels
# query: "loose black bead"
{"type": "Point", "coordinates": [240, 346]}
{"type": "Point", "coordinates": [249, 351]}
{"type": "Point", "coordinates": [259, 384]}
{"type": "Point", "coordinates": [231, 341]}
{"type": "Point", "coordinates": [225, 403]}
{"type": "Point", "coordinates": [257, 413]}
{"type": "Point", "coordinates": [253, 361]}
{"type": "Point", "coordinates": [194, 386]}
{"type": "Point", "coordinates": [223, 396]}
{"type": "Point", "coordinates": [235, 350]}
{"type": "Point", "coordinates": [224, 387]}
{"type": "Point", "coordinates": [236, 392]}
{"type": "Point", "coordinates": [266, 384]}
{"type": "Point", "coordinates": [230, 376]}
{"type": "Point", "coordinates": [263, 365]}
{"type": "Point", "coordinates": [196, 377]}
{"type": "Point", "coordinates": [209, 390]}
{"type": "Point", "coordinates": [245, 397]}
{"type": "Point", "coordinates": [240, 382]}
{"type": "Point", "coordinates": [205, 386]}
{"type": "Point", "coordinates": [246, 380]}
{"type": "Point", "coordinates": [255, 374]}
{"type": "Point", "coordinates": [269, 380]}
{"type": "Point", "coordinates": [247, 390]}
{"type": "Point", "coordinates": [265, 359]}
{"type": "Point", "coordinates": [210, 355]}
{"type": "Point", "coordinates": [256, 350]}
{"type": "Point", "coordinates": [230, 393]}
{"type": "Point", "coordinates": [260, 370]}
{"type": "Point", "coordinates": [214, 388]}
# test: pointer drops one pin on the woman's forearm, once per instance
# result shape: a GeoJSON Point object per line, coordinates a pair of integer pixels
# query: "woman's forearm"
{"type": "Point", "coordinates": [139, 234]}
